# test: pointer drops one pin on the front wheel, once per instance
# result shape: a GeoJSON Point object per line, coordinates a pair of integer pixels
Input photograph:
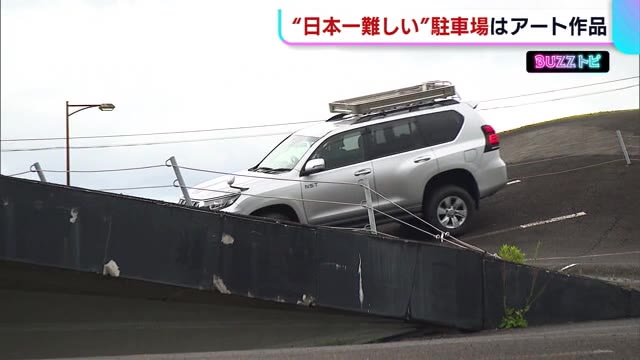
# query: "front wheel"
{"type": "Point", "coordinates": [450, 209]}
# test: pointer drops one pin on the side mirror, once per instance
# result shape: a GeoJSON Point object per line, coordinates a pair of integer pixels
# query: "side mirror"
{"type": "Point", "coordinates": [314, 166]}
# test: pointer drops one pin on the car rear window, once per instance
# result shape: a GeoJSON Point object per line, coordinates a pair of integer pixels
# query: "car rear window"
{"type": "Point", "coordinates": [440, 127]}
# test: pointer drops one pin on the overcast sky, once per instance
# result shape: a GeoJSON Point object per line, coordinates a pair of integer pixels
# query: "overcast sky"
{"type": "Point", "coordinates": [188, 65]}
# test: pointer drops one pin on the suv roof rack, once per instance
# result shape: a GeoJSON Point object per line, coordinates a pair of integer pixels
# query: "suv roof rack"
{"type": "Point", "coordinates": [416, 107]}
{"type": "Point", "coordinates": [390, 100]}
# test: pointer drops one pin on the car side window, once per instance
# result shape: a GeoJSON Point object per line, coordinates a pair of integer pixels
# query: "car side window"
{"type": "Point", "coordinates": [341, 150]}
{"type": "Point", "coordinates": [441, 127]}
{"type": "Point", "coordinates": [394, 137]}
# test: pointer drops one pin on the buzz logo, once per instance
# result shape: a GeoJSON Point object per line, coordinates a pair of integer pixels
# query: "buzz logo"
{"type": "Point", "coordinates": [567, 61]}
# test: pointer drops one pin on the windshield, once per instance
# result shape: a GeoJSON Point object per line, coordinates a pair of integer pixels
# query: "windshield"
{"type": "Point", "coordinates": [286, 155]}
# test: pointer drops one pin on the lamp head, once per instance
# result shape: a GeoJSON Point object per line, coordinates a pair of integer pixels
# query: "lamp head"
{"type": "Point", "coordinates": [106, 107]}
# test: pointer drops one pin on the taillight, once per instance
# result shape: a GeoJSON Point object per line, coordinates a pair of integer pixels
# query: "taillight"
{"type": "Point", "coordinates": [491, 138]}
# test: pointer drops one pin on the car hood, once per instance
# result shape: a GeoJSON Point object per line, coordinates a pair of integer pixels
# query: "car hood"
{"type": "Point", "coordinates": [245, 179]}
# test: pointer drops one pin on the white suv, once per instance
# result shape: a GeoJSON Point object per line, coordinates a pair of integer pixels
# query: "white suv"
{"type": "Point", "coordinates": [420, 147]}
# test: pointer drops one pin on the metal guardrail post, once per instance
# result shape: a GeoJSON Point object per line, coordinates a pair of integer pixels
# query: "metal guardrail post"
{"type": "Point", "coordinates": [38, 169]}
{"type": "Point", "coordinates": [183, 186]}
{"type": "Point", "coordinates": [367, 196]}
{"type": "Point", "coordinates": [624, 148]}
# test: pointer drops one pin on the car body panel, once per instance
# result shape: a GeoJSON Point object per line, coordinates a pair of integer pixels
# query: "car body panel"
{"type": "Point", "coordinates": [319, 192]}
{"type": "Point", "coordinates": [400, 177]}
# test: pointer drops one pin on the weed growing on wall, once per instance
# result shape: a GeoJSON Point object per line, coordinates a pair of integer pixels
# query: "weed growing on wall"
{"type": "Point", "coordinates": [516, 318]}
{"type": "Point", "coordinates": [511, 253]}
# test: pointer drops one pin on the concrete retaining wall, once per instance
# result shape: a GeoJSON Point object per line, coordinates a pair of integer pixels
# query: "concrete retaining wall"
{"type": "Point", "coordinates": [78, 229]}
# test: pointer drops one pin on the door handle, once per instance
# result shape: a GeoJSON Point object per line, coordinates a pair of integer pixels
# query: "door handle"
{"type": "Point", "coordinates": [421, 159]}
{"type": "Point", "coordinates": [362, 172]}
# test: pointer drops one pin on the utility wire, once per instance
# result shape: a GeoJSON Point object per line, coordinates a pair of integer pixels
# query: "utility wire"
{"type": "Point", "coordinates": [562, 89]}
{"type": "Point", "coordinates": [468, 246]}
{"type": "Point", "coordinates": [145, 144]}
{"type": "Point", "coordinates": [21, 173]}
{"type": "Point", "coordinates": [562, 98]}
{"type": "Point", "coordinates": [164, 132]}
{"type": "Point", "coordinates": [564, 156]}
{"type": "Point", "coordinates": [406, 223]}
{"type": "Point", "coordinates": [274, 134]}
{"type": "Point", "coordinates": [569, 170]}
{"type": "Point", "coordinates": [557, 147]}
{"type": "Point", "coordinates": [327, 202]}
{"type": "Point", "coordinates": [275, 197]}
{"type": "Point", "coordinates": [267, 177]}
{"type": "Point", "coordinates": [138, 188]}
{"type": "Point", "coordinates": [609, 147]}
{"type": "Point", "coordinates": [280, 124]}
{"type": "Point", "coordinates": [424, 231]}
{"type": "Point", "coordinates": [106, 170]}
{"type": "Point", "coordinates": [303, 200]}
{"type": "Point", "coordinates": [256, 135]}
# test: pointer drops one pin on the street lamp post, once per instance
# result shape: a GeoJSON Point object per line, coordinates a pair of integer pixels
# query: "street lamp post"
{"type": "Point", "coordinates": [102, 107]}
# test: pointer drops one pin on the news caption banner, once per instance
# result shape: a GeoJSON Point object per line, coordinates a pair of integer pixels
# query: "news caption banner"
{"type": "Point", "coordinates": [424, 27]}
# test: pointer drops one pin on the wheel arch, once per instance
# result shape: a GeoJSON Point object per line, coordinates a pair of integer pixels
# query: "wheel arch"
{"type": "Point", "coordinates": [459, 177]}
{"type": "Point", "coordinates": [278, 208]}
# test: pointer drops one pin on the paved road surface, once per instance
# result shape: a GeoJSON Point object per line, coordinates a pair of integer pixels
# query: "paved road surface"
{"type": "Point", "coordinates": [38, 324]}
{"type": "Point", "coordinates": [71, 313]}
{"type": "Point", "coordinates": [593, 211]}
{"type": "Point", "coordinates": [601, 340]}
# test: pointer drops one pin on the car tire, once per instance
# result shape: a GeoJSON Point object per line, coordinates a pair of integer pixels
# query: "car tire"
{"type": "Point", "coordinates": [450, 208]}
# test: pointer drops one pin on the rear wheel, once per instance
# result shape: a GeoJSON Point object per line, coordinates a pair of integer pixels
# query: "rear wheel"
{"type": "Point", "coordinates": [450, 208]}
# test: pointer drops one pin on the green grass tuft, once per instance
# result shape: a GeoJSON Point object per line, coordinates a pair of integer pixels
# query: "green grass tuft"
{"type": "Point", "coordinates": [511, 253]}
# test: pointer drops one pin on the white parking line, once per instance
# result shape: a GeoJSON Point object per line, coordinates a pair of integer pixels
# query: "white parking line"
{"type": "Point", "coordinates": [568, 267]}
{"type": "Point", "coordinates": [560, 218]}
{"type": "Point", "coordinates": [525, 226]}
{"type": "Point", "coordinates": [513, 182]}
{"type": "Point", "coordinates": [567, 354]}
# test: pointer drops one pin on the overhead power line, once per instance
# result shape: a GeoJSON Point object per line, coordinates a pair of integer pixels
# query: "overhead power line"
{"type": "Point", "coordinates": [562, 89]}
{"type": "Point", "coordinates": [145, 144]}
{"type": "Point", "coordinates": [138, 188]}
{"type": "Point", "coordinates": [283, 133]}
{"type": "Point", "coordinates": [280, 124]}
{"type": "Point", "coordinates": [20, 173]}
{"type": "Point", "coordinates": [562, 98]}
{"type": "Point", "coordinates": [106, 170]}
{"type": "Point", "coordinates": [275, 134]}
{"type": "Point", "coordinates": [164, 132]}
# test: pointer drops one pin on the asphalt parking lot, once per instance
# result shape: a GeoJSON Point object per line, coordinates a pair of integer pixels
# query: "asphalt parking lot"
{"type": "Point", "coordinates": [572, 192]}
